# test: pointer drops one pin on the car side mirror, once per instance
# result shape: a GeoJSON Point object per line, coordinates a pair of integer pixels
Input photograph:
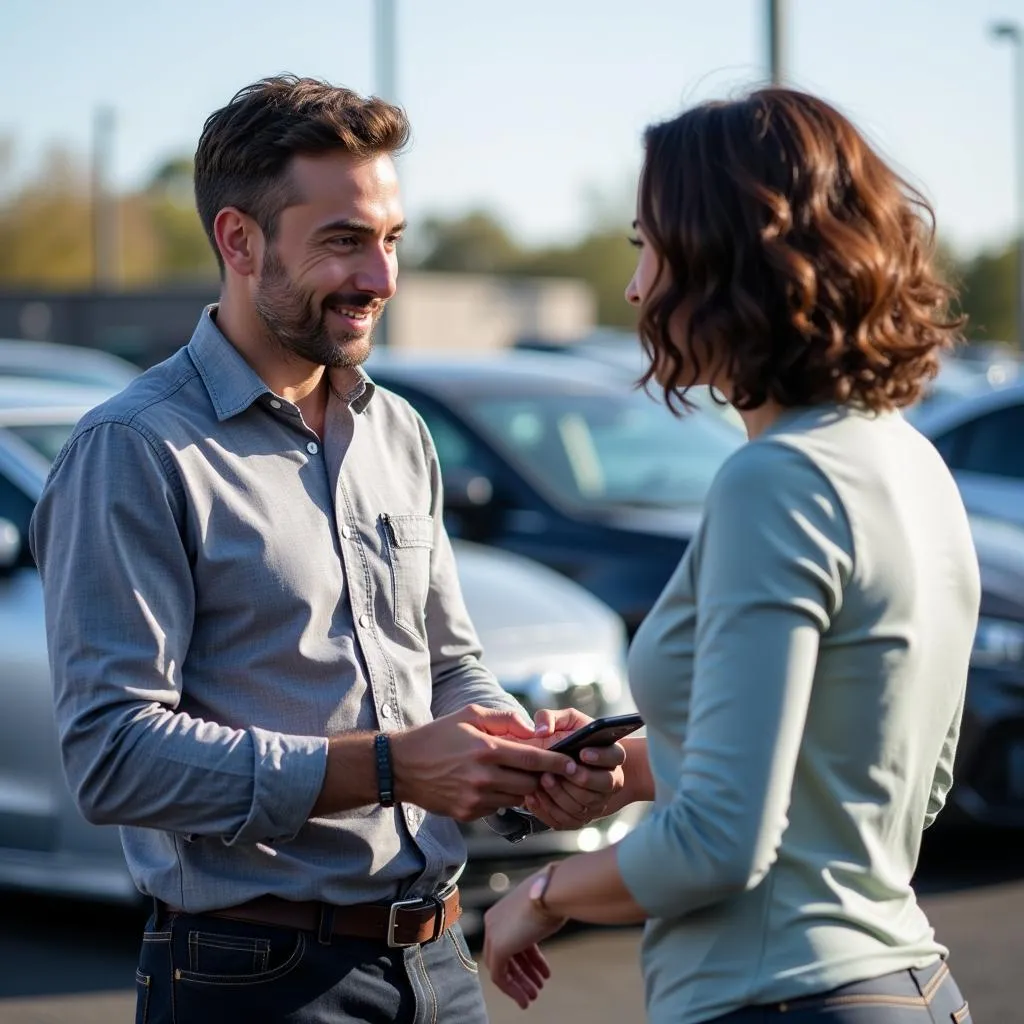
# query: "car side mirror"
{"type": "Point", "coordinates": [10, 547]}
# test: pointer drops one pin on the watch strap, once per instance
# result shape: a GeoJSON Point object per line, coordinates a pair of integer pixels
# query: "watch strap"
{"type": "Point", "coordinates": [385, 776]}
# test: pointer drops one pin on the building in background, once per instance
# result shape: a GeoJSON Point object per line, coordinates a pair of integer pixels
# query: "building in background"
{"type": "Point", "coordinates": [432, 311]}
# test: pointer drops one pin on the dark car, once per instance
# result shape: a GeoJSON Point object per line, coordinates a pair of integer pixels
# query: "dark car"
{"type": "Point", "coordinates": [560, 461]}
{"type": "Point", "coordinates": [556, 458]}
{"type": "Point", "coordinates": [989, 772]}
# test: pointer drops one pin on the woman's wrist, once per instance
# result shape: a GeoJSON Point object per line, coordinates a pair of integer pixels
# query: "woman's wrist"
{"type": "Point", "coordinates": [641, 780]}
{"type": "Point", "coordinates": [539, 889]}
{"type": "Point", "coordinates": [638, 786]}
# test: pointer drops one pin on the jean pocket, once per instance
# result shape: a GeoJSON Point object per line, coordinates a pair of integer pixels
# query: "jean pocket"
{"type": "Point", "coordinates": [143, 985]}
{"type": "Point", "coordinates": [458, 941]}
{"type": "Point", "coordinates": [410, 541]}
{"type": "Point", "coordinates": [229, 959]}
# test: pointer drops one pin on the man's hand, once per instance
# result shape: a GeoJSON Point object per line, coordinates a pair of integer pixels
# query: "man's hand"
{"type": "Point", "coordinates": [468, 764]}
{"type": "Point", "coordinates": [565, 804]}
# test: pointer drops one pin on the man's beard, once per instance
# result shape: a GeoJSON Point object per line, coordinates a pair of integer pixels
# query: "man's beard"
{"type": "Point", "coordinates": [292, 318]}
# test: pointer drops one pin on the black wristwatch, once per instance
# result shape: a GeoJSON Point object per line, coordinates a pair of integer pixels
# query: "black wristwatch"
{"type": "Point", "coordinates": [385, 778]}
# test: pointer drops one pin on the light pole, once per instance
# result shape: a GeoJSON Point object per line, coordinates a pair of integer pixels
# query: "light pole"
{"type": "Point", "coordinates": [1011, 32]}
{"type": "Point", "coordinates": [386, 89]}
{"type": "Point", "coordinates": [777, 41]}
{"type": "Point", "coordinates": [104, 208]}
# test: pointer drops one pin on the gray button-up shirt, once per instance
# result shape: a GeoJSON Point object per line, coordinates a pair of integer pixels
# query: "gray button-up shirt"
{"type": "Point", "coordinates": [224, 590]}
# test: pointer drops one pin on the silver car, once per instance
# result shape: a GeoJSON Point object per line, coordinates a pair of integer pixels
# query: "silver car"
{"type": "Point", "coordinates": [980, 437]}
{"type": "Point", "coordinates": [548, 640]}
{"type": "Point", "coordinates": [66, 364]}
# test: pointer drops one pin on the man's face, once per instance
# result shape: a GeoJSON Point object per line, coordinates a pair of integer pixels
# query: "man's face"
{"type": "Point", "coordinates": [333, 263]}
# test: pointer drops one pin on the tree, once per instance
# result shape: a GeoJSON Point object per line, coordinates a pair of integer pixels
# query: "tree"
{"type": "Point", "coordinates": [474, 243]}
{"type": "Point", "coordinates": [988, 288]}
{"type": "Point", "coordinates": [183, 250]}
{"type": "Point", "coordinates": [604, 260]}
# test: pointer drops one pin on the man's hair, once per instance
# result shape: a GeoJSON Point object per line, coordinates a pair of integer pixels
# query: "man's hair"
{"type": "Point", "coordinates": [246, 147]}
{"type": "Point", "coordinates": [791, 254]}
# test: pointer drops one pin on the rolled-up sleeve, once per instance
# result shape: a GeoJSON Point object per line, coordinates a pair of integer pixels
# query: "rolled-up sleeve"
{"type": "Point", "coordinates": [107, 535]}
{"type": "Point", "coordinates": [769, 566]}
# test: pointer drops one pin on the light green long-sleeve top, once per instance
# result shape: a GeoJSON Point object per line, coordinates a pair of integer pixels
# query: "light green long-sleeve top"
{"type": "Point", "coordinates": [802, 678]}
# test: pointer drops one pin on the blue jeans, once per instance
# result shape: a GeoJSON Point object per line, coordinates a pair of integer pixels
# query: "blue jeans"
{"type": "Point", "coordinates": [925, 996]}
{"type": "Point", "coordinates": [209, 970]}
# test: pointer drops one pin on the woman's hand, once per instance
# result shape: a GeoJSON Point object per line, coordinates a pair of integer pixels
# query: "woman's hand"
{"type": "Point", "coordinates": [513, 927]}
{"type": "Point", "coordinates": [594, 785]}
{"type": "Point", "coordinates": [593, 789]}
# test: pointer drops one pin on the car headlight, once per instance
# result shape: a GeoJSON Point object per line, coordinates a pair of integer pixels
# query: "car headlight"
{"type": "Point", "coordinates": [997, 643]}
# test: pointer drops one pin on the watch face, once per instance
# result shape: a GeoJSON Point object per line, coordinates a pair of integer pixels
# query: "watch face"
{"type": "Point", "coordinates": [537, 888]}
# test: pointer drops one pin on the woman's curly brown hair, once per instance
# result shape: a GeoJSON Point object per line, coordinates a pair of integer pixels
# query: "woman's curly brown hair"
{"type": "Point", "coordinates": [790, 256]}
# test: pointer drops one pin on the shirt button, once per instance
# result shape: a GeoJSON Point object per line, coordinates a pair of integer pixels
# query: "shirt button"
{"type": "Point", "coordinates": [312, 447]}
{"type": "Point", "coordinates": [346, 532]}
{"type": "Point", "coordinates": [364, 621]}
{"type": "Point", "coordinates": [275, 404]}
{"type": "Point", "coordinates": [385, 710]}
{"type": "Point", "coordinates": [410, 815]}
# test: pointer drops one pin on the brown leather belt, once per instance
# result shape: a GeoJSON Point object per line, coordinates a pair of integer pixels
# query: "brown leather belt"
{"type": "Point", "coordinates": [402, 923]}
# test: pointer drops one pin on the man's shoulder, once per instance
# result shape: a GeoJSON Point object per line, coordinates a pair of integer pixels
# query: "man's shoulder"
{"type": "Point", "coordinates": [396, 410]}
{"type": "Point", "coordinates": [155, 398]}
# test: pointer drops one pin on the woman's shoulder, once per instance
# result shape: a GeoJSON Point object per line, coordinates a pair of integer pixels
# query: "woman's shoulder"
{"type": "Point", "coordinates": [768, 466]}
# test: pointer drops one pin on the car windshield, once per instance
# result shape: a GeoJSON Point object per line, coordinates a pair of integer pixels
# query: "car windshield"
{"type": "Point", "coordinates": [45, 438]}
{"type": "Point", "coordinates": [607, 449]}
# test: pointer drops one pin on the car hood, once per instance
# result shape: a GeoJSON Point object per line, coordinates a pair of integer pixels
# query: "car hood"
{"type": "Point", "coordinates": [532, 619]}
{"type": "Point", "coordinates": [680, 522]}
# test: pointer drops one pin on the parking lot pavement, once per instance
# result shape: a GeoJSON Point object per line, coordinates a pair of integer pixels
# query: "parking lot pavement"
{"type": "Point", "coordinates": [62, 961]}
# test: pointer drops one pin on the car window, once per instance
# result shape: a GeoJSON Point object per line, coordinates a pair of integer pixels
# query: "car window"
{"type": "Point", "coordinates": [609, 449]}
{"type": "Point", "coordinates": [951, 443]}
{"type": "Point", "coordinates": [990, 444]}
{"type": "Point", "coordinates": [454, 446]}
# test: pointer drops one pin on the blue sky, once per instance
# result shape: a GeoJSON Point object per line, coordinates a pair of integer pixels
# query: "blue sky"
{"type": "Point", "coordinates": [527, 108]}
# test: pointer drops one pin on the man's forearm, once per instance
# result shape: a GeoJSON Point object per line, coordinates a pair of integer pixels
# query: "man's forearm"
{"type": "Point", "coordinates": [350, 780]}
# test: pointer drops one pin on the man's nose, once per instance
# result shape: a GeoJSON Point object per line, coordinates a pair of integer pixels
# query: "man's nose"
{"type": "Point", "coordinates": [378, 273]}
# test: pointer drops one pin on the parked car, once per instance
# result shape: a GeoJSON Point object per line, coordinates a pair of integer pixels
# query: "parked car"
{"type": "Point", "coordinates": [621, 350]}
{"type": "Point", "coordinates": [980, 437]}
{"type": "Point", "coordinates": [552, 457]}
{"type": "Point", "coordinates": [68, 364]}
{"type": "Point", "coordinates": [989, 772]}
{"type": "Point", "coordinates": [559, 460]}
{"type": "Point", "coordinates": [550, 642]}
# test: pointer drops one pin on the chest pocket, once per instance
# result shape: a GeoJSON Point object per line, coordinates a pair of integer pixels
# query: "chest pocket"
{"type": "Point", "coordinates": [410, 540]}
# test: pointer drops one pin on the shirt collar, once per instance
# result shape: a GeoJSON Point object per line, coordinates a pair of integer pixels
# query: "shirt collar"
{"type": "Point", "coordinates": [233, 385]}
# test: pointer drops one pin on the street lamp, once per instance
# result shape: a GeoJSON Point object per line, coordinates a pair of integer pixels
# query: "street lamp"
{"type": "Point", "coordinates": [384, 38]}
{"type": "Point", "coordinates": [777, 41]}
{"type": "Point", "coordinates": [1011, 32]}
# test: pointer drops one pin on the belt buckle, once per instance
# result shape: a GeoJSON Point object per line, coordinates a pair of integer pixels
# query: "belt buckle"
{"type": "Point", "coordinates": [393, 921]}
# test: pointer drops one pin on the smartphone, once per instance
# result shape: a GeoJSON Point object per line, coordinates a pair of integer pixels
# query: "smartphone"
{"type": "Point", "coordinates": [601, 732]}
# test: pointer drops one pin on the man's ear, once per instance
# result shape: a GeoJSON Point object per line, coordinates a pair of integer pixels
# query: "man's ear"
{"type": "Point", "coordinates": [239, 240]}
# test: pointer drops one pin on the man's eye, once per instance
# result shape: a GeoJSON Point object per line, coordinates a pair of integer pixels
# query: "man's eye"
{"type": "Point", "coordinates": [343, 240]}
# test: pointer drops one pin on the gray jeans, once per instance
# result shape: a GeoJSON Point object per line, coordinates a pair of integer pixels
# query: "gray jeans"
{"type": "Point", "coordinates": [925, 996]}
{"type": "Point", "coordinates": [208, 970]}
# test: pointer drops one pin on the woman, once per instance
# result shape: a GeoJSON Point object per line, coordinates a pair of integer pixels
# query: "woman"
{"type": "Point", "coordinates": [803, 673]}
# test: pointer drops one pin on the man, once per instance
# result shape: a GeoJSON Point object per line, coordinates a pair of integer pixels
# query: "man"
{"type": "Point", "coordinates": [263, 666]}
